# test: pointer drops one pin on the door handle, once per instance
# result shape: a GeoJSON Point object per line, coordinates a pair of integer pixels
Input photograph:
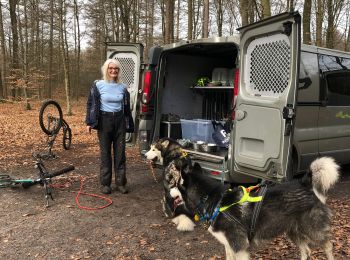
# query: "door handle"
{"type": "Point", "coordinates": [240, 115]}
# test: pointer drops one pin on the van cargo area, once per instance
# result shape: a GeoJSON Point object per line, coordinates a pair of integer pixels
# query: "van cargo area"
{"type": "Point", "coordinates": [195, 84]}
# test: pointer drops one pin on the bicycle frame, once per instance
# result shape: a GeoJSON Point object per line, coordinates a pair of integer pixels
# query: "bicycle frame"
{"type": "Point", "coordinates": [44, 178]}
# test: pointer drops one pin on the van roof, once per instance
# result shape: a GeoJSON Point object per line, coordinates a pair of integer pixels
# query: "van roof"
{"type": "Point", "coordinates": [227, 39]}
{"type": "Point", "coordinates": [326, 51]}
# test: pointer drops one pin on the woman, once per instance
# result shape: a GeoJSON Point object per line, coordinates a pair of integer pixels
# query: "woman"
{"type": "Point", "coordinates": [105, 112]}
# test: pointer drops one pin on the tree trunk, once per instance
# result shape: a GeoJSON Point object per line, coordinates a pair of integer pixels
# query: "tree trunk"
{"type": "Point", "coordinates": [3, 59]}
{"type": "Point", "coordinates": [14, 30]}
{"type": "Point", "coordinates": [307, 22]}
{"type": "Point", "coordinates": [219, 15]}
{"type": "Point", "coordinates": [330, 28]}
{"type": "Point", "coordinates": [169, 21]}
{"type": "Point", "coordinates": [50, 74]}
{"type": "Point", "coordinates": [319, 22]}
{"type": "Point", "coordinates": [205, 29]}
{"type": "Point", "coordinates": [266, 8]}
{"type": "Point", "coordinates": [77, 50]}
{"type": "Point", "coordinates": [290, 5]}
{"type": "Point", "coordinates": [64, 54]}
{"type": "Point", "coordinates": [190, 20]}
{"type": "Point", "coordinates": [244, 10]}
{"type": "Point", "coordinates": [125, 9]}
{"type": "Point", "coordinates": [24, 48]}
{"type": "Point", "coordinates": [178, 21]}
{"type": "Point", "coordinates": [135, 21]}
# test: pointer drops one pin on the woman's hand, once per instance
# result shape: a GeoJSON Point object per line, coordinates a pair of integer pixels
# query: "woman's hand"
{"type": "Point", "coordinates": [88, 129]}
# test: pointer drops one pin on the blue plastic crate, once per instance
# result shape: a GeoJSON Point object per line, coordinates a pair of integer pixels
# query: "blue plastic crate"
{"type": "Point", "coordinates": [197, 130]}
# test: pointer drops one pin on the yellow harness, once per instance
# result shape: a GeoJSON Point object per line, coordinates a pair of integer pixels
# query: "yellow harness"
{"type": "Point", "coordinates": [245, 198]}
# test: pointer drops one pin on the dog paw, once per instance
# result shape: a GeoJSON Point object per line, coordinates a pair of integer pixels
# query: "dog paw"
{"type": "Point", "coordinates": [183, 223]}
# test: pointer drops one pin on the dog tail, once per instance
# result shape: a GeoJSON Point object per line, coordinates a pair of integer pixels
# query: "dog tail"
{"type": "Point", "coordinates": [324, 175]}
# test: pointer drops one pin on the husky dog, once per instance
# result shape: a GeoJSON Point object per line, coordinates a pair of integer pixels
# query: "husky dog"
{"type": "Point", "coordinates": [297, 208]}
{"type": "Point", "coordinates": [170, 154]}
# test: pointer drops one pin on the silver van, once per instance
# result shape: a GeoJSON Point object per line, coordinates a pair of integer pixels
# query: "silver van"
{"type": "Point", "coordinates": [293, 102]}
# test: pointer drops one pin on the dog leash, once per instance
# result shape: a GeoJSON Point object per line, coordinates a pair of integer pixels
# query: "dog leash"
{"type": "Point", "coordinates": [151, 166]}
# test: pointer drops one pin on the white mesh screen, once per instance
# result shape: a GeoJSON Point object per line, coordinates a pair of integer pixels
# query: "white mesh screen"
{"type": "Point", "coordinates": [128, 62]}
{"type": "Point", "coordinates": [268, 65]}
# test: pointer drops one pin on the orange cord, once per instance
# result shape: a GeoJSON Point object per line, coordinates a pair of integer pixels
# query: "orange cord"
{"type": "Point", "coordinates": [69, 183]}
{"type": "Point", "coordinates": [109, 201]}
{"type": "Point", "coordinates": [152, 171]}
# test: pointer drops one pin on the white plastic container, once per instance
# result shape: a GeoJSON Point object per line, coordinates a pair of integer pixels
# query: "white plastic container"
{"type": "Point", "coordinates": [220, 74]}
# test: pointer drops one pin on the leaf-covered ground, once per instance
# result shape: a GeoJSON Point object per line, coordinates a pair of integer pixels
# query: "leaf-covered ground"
{"type": "Point", "coordinates": [133, 227]}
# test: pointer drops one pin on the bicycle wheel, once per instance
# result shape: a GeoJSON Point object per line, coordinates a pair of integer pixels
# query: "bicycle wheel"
{"type": "Point", "coordinates": [5, 181]}
{"type": "Point", "coordinates": [50, 117]}
{"type": "Point", "coordinates": [67, 136]}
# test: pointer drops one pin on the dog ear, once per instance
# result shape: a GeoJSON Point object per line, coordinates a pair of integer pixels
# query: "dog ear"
{"type": "Point", "coordinates": [165, 143]}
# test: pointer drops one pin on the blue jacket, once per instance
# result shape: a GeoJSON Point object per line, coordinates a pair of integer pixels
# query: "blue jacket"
{"type": "Point", "coordinates": [93, 109]}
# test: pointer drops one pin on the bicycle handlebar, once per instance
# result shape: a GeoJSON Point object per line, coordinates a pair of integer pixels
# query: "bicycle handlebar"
{"type": "Point", "coordinates": [62, 171]}
{"type": "Point", "coordinates": [49, 176]}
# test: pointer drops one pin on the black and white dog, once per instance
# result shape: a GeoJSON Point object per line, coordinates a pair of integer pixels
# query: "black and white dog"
{"type": "Point", "coordinates": [297, 208]}
{"type": "Point", "coordinates": [170, 154]}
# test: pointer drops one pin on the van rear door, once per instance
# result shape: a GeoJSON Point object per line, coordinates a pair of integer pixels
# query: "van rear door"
{"type": "Point", "coordinates": [130, 56]}
{"type": "Point", "coordinates": [265, 110]}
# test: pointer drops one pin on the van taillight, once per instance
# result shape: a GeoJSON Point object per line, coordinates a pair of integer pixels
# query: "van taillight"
{"type": "Point", "coordinates": [146, 91]}
{"type": "Point", "coordinates": [235, 92]}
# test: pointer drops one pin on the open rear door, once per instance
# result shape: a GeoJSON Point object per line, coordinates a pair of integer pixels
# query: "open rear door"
{"type": "Point", "coordinates": [265, 110]}
{"type": "Point", "coordinates": [130, 57]}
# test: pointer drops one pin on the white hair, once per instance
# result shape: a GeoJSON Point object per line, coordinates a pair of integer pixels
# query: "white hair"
{"type": "Point", "coordinates": [104, 69]}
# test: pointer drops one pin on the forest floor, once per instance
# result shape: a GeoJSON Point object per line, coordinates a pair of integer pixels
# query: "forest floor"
{"type": "Point", "coordinates": [132, 227]}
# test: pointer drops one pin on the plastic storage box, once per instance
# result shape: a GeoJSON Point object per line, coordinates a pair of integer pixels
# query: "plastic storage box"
{"type": "Point", "coordinates": [170, 129]}
{"type": "Point", "coordinates": [197, 130]}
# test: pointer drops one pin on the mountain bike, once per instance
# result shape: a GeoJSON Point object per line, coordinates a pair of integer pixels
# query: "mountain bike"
{"type": "Point", "coordinates": [44, 178]}
{"type": "Point", "coordinates": [51, 121]}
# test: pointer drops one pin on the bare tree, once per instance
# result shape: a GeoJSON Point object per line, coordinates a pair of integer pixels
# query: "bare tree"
{"type": "Point", "coordinates": [3, 60]}
{"type": "Point", "coordinates": [77, 47]}
{"type": "Point", "coordinates": [290, 5]}
{"type": "Point", "coordinates": [205, 28]}
{"type": "Point", "coordinates": [125, 13]}
{"type": "Point", "coordinates": [244, 9]}
{"type": "Point", "coordinates": [319, 21]}
{"type": "Point", "coordinates": [65, 53]}
{"type": "Point", "coordinates": [334, 8]}
{"type": "Point", "coordinates": [306, 22]}
{"type": "Point", "coordinates": [52, 13]}
{"type": "Point", "coordinates": [14, 30]}
{"type": "Point", "coordinates": [169, 21]}
{"type": "Point", "coordinates": [219, 15]}
{"type": "Point", "coordinates": [190, 19]}
{"type": "Point", "coordinates": [178, 20]}
{"type": "Point", "coordinates": [266, 8]}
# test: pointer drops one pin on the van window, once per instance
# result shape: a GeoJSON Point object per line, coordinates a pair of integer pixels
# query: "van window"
{"type": "Point", "coordinates": [308, 90]}
{"type": "Point", "coordinates": [332, 63]}
{"type": "Point", "coordinates": [338, 88]}
{"type": "Point", "coordinates": [336, 72]}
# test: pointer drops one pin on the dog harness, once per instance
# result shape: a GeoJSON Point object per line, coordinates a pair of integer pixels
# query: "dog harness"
{"type": "Point", "coordinates": [245, 198]}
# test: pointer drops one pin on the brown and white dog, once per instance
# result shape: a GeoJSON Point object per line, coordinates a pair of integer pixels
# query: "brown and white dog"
{"type": "Point", "coordinates": [297, 208]}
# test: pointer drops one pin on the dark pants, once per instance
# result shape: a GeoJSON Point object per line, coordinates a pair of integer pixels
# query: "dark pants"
{"type": "Point", "coordinates": [111, 133]}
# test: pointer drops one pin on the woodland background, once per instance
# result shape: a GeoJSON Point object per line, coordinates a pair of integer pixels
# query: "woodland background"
{"type": "Point", "coordinates": [55, 48]}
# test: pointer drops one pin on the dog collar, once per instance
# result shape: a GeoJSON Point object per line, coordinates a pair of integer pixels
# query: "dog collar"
{"type": "Point", "coordinates": [245, 198]}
